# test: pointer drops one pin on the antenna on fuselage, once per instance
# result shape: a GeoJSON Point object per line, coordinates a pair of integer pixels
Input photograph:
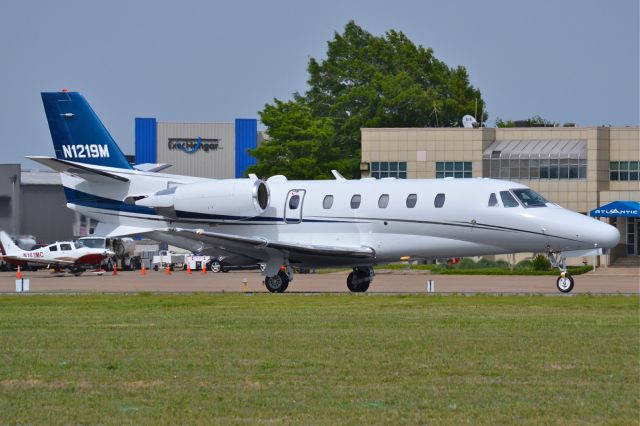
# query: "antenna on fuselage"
{"type": "Point", "coordinates": [337, 175]}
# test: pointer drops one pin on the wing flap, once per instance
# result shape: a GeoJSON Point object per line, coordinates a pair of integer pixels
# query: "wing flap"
{"type": "Point", "coordinates": [260, 247]}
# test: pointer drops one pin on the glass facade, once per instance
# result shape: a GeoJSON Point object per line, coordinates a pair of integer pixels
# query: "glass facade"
{"type": "Point", "coordinates": [536, 159]}
{"type": "Point", "coordinates": [454, 169]}
{"type": "Point", "coordinates": [534, 166]}
{"type": "Point", "coordinates": [383, 169]}
{"type": "Point", "coordinates": [624, 170]}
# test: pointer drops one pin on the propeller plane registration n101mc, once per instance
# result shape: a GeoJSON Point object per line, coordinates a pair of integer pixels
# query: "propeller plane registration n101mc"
{"type": "Point", "coordinates": [61, 255]}
{"type": "Point", "coordinates": [357, 223]}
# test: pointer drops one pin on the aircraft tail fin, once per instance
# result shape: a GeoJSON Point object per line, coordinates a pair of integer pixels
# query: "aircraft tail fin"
{"type": "Point", "coordinates": [10, 248]}
{"type": "Point", "coordinates": [78, 134]}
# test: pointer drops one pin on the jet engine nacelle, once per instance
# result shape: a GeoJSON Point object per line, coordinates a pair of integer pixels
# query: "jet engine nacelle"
{"type": "Point", "coordinates": [225, 199]}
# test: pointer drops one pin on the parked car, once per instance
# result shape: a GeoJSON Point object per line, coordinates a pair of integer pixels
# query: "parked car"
{"type": "Point", "coordinates": [217, 265]}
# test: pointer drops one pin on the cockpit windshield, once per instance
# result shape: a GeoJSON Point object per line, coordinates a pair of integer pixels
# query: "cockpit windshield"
{"type": "Point", "coordinates": [530, 198]}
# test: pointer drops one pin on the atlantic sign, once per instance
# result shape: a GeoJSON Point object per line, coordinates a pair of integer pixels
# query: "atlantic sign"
{"type": "Point", "coordinates": [191, 146]}
{"type": "Point", "coordinates": [618, 209]}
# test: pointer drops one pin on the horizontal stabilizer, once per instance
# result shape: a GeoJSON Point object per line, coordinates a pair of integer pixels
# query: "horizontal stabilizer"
{"type": "Point", "coordinates": [78, 170]}
{"type": "Point", "coordinates": [152, 167]}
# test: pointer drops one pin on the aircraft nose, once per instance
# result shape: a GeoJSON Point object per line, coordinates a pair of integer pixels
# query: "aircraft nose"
{"type": "Point", "coordinates": [606, 236]}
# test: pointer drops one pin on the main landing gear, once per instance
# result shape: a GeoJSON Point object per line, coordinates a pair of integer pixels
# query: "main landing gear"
{"type": "Point", "coordinates": [278, 283]}
{"type": "Point", "coordinates": [565, 282]}
{"type": "Point", "coordinates": [359, 280]}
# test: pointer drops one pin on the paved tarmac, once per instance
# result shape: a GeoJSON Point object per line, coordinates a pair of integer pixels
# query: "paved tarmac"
{"type": "Point", "coordinates": [614, 280]}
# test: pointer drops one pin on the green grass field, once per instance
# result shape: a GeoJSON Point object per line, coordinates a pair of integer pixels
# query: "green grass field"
{"type": "Point", "coordinates": [327, 359]}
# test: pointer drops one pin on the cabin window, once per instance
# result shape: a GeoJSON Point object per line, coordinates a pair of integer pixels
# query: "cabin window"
{"type": "Point", "coordinates": [383, 201]}
{"type": "Point", "coordinates": [438, 202]}
{"type": "Point", "coordinates": [294, 202]}
{"type": "Point", "coordinates": [412, 199]}
{"type": "Point", "coordinates": [65, 247]}
{"type": "Point", "coordinates": [507, 199]}
{"type": "Point", "coordinates": [493, 200]}
{"type": "Point", "coordinates": [355, 201]}
{"type": "Point", "coordinates": [327, 202]}
{"type": "Point", "coordinates": [53, 248]}
{"type": "Point", "coordinates": [530, 198]}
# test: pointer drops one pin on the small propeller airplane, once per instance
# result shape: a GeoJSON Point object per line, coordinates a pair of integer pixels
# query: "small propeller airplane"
{"type": "Point", "coordinates": [61, 255]}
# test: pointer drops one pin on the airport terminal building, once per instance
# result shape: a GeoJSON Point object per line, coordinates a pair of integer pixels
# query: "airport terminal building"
{"type": "Point", "coordinates": [591, 170]}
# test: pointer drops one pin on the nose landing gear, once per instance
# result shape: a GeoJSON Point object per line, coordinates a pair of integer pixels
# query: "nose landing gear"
{"type": "Point", "coordinates": [565, 282]}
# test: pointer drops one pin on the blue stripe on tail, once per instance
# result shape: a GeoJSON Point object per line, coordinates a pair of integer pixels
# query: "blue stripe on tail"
{"type": "Point", "coordinates": [77, 132]}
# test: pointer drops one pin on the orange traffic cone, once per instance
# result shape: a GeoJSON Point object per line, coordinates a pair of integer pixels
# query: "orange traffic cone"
{"type": "Point", "coordinates": [167, 271]}
{"type": "Point", "coordinates": [143, 271]}
{"type": "Point", "coordinates": [204, 268]}
{"type": "Point", "coordinates": [115, 270]}
{"type": "Point", "coordinates": [188, 269]}
{"type": "Point", "coordinates": [18, 274]}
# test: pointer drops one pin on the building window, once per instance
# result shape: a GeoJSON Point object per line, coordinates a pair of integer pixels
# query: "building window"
{"type": "Point", "coordinates": [383, 201]}
{"type": "Point", "coordinates": [455, 169]}
{"type": "Point", "coordinates": [383, 169]}
{"type": "Point", "coordinates": [624, 170]}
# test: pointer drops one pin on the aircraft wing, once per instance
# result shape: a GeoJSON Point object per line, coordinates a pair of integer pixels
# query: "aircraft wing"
{"type": "Point", "coordinates": [79, 170]}
{"type": "Point", "coordinates": [275, 251]}
{"type": "Point", "coordinates": [40, 260]}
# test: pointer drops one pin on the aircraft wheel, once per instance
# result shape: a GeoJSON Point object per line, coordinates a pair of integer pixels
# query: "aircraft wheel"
{"type": "Point", "coordinates": [565, 284]}
{"type": "Point", "coordinates": [358, 281]}
{"type": "Point", "coordinates": [277, 283]}
{"type": "Point", "coordinates": [216, 266]}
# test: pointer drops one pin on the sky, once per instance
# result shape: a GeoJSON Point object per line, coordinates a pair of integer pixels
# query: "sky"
{"type": "Point", "coordinates": [208, 61]}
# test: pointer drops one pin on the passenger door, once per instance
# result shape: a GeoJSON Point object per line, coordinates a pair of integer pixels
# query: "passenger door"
{"type": "Point", "coordinates": [293, 206]}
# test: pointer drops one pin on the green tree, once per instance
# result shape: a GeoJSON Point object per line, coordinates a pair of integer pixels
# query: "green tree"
{"type": "Point", "coordinates": [296, 143]}
{"type": "Point", "coordinates": [370, 81]}
{"type": "Point", "coordinates": [535, 121]}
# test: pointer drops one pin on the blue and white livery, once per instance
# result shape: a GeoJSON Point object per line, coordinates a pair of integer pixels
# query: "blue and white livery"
{"type": "Point", "coordinates": [358, 223]}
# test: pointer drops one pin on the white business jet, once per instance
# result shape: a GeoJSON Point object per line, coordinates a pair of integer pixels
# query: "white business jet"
{"type": "Point", "coordinates": [356, 223]}
{"type": "Point", "coordinates": [61, 255]}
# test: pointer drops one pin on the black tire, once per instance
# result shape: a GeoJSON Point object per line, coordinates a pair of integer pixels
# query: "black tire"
{"type": "Point", "coordinates": [358, 281]}
{"type": "Point", "coordinates": [565, 285]}
{"type": "Point", "coordinates": [155, 268]}
{"type": "Point", "coordinates": [216, 266]}
{"type": "Point", "coordinates": [277, 283]}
